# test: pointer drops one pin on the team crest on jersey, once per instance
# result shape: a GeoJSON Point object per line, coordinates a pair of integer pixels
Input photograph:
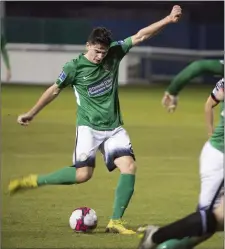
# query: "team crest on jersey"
{"type": "Point", "coordinates": [62, 76]}
{"type": "Point", "coordinates": [131, 149]}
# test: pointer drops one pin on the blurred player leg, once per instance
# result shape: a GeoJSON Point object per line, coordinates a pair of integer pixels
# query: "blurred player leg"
{"type": "Point", "coordinates": [189, 243]}
{"type": "Point", "coordinates": [196, 224]}
{"type": "Point", "coordinates": [211, 173]}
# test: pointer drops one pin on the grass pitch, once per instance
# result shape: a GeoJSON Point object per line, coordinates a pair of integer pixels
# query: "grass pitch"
{"type": "Point", "coordinates": [167, 147]}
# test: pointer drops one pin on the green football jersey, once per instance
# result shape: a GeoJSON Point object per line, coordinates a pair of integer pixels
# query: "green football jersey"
{"type": "Point", "coordinates": [219, 67]}
{"type": "Point", "coordinates": [217, 138]}
{"type": "Point", "coordinates": [96, 87]}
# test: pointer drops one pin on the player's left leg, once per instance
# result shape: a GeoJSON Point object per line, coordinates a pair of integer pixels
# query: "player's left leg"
{"type": "Point", "coordinates": [81, 170]}
{"type": "Point", "coordinates": [118, 153]}
{"type": "Point", "coordinates": [64, 176]}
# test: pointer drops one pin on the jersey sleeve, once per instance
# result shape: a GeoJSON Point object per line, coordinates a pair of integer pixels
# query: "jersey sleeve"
{"type": "Point", "coordinates": [3, 42]}
{"type": "Point", "coordinates": [218, 91]}
{"type": "Point", "coordinates": [122, 47]}
{"type": "Point", "coordinates": [66, 77]}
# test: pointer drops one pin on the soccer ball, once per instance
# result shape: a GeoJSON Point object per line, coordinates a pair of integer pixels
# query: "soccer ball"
{"type": "Point", "coordinates": [83, 219]}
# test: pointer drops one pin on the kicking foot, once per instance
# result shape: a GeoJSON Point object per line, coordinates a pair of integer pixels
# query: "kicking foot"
{"type": "Point", "coordinates": [145, 233]}
{"type": "Point", "coordinates": [117, 226]}
{"type": "Point", "coordinates": [22, 183]}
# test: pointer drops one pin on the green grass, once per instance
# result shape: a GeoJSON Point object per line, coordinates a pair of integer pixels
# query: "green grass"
{"type": "Point", "coordinates": [166, 146]}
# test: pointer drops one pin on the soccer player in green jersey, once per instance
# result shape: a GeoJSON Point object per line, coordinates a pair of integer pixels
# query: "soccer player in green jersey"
{"type": "Point", "coordinates": [193, 70]}
{"type": "Point", "coordinates": [5, 57]}
{"type": "Point", "coordinates": [94, 78]}
{"type": "Point", "coordinates": [209, 217]}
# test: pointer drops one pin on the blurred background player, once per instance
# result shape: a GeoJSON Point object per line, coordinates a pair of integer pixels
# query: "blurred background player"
{"type": "Point", "coordinates": [94, 77]}
{"type": "Point", "coordinates": [5, 57]}
{"type": "Point", "coordinates": [212, 180]}
{"type": "Point", "coordinates": [193, 70]}
{"type": "Point", "coordinates": [197, 226]}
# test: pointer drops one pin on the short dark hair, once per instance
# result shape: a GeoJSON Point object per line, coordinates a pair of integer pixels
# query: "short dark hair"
{"type": "Point", "coordinates": [100, 35]}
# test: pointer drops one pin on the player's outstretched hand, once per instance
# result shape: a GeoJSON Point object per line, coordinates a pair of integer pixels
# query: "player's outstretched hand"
{"type": "Point", "coordinates": [169, 102]}
{"type": "Point", "coordinates": [24, 119]}
{"type": "Point", "coordinates": [175, 13]}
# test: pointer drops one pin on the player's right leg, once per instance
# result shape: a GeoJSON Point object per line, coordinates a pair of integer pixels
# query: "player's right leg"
{"type": "Point", "coordinates": [81, 170]}
{"type": "Point", "coordinates": [118, 153]}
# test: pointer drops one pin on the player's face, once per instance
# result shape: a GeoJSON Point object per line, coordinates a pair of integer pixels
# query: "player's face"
{"type": "Point", "coordinates": [96, 52]}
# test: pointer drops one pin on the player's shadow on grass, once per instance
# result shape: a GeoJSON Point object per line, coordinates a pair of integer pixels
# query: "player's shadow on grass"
{"type": "Point", "coordinates": [101, 230]}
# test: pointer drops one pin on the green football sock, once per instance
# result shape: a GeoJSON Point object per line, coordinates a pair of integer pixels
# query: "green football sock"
{"type": "Point", "coordinates": [193, 70]}
{"type": "Point", "coordinates": [185, 243]}
{"type": "Point", "coordinates": [65, 176]}
{"type": "Point", "coordinates": [123, 195]}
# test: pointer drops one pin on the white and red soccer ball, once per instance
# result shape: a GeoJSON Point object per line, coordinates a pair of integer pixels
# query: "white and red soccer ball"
{"type": "Point", "coordinates": [83, 219]}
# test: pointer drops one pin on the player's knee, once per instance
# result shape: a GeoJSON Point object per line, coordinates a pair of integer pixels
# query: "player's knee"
{"type": "Point", "coordinates": [219, 215]}
{"type": "Point", "coordinates": [84, 174]}
{"type": "Point", "coordinates": [126, 165]}
{"type": "Point", "coordinates": [220, 223]}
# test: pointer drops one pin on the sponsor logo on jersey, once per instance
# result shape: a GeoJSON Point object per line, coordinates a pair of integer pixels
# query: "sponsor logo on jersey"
{"type": "Point", "coordinates": [62, 76]}
{"type": "Point", "coordinates": [100, 88]}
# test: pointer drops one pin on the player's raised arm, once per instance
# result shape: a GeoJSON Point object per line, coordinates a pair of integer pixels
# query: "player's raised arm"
{"type": "Point", "coordinates": [154, 28]}
{"type": "Point", "coordinates": [5, 57]}
{"type": "Point", "coordinates": [48, 96]}
{"type": "Point", "coordinates": [64, 79]}
{"type": "Point", "coordinates": [184, 77]}
{"type": "Point", "coordinates": [213, 100]}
